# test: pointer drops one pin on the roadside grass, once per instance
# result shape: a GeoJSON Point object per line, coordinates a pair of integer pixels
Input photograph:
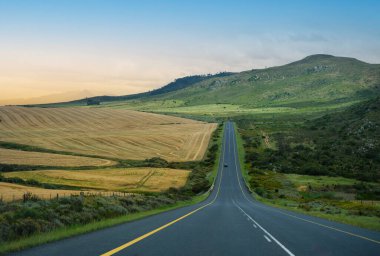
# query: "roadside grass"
{"type": "Point", "coordinates": [212, 175]}
{"type": "Point", "coordinates": [203, 174]}
{"type": "Point", "coordinates": [332, 198]}
{"type": "Point", "coordinates": [322, 181]}
{"type": "Point", "coordinates": [368, 222]}
{"type": "Point", "coordinates": [241, 155]}
{"type": "Point", "coordinates": [324, 204]}
{"type": "Point", "coordinates": [71, 231]}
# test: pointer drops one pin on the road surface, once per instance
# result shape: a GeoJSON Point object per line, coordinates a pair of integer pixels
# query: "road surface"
{"type": "Point", "coordinates": [229, 222]}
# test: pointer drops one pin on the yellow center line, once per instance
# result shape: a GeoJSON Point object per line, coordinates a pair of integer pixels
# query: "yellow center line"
{"type": "Point", "coordinates": [293, 216]}
{"type": "Point", "coordinates": [152, 232]}
{"type": "Point", "coordinates": [138, 239]}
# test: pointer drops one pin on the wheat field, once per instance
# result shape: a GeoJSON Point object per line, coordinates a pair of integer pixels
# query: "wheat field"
{"type": "Point", "coordinates": [112, 133]}
{"type": "Point", "coordinates": [11, 192]}
{"type": "Point", "coordinates": [9, 156]}
{"type": "Point", "coordinates": [129, 179]}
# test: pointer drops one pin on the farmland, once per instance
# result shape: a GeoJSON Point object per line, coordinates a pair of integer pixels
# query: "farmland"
{"type": "Point", "coordinates": [125, 190]}
{"type": "Point", "coordinates": [109, 133]}
{"type": "Point", "coordinates": [10, 192]}
{"type": "Point", "coordinates": [216, 110]}
{"type": "Point", "coordinates": [125, 180]}
{"type": "Point", "coordinates": [10, 156]}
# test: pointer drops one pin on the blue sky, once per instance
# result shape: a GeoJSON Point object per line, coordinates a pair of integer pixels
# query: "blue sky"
{"type": "Point", "coordinates": [121, 47]}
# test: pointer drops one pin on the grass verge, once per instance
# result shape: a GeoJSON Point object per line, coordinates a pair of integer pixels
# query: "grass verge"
{"type": "Point", "coordinates": [212, 175]}
{"type": "Point", "coordinates": [241, 155]}
{"type": "Point", "coordinates": [368, 222]}
{"type": "Point", "coordinates": [82, 229]}
{"type": "Point", "coordinates": [74, 230]}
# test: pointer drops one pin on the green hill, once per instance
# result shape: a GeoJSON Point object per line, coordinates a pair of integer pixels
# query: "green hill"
{"type": "Point", "coordinates": [345, 143]}
{"type": "Point", "coordinates": [317, 79]}
{"type": "Point", "coordinates": [312, 84]}
{"type": "Point", "coordinates": [177, 84]}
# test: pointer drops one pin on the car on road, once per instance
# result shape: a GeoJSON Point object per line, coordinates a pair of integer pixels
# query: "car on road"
{"type": "Point", "coordinates": [225, 165]}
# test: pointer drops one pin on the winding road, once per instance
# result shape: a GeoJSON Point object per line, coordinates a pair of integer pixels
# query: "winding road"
{"type": "Point", "coordinates": [229, 222]}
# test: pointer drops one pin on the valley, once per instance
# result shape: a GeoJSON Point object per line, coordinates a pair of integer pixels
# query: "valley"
{"type": "Point", "coordinates": [306, 134]}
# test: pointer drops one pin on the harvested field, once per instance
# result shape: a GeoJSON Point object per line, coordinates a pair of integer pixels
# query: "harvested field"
{"type": "Point", "coordinates": [130, 179]}
{"type": "Point", "coordinates": [9, 156]}
{"type": "Point", "coordinates": [123, 134]}
{"type": "Point", "coordinates": [10, 192]}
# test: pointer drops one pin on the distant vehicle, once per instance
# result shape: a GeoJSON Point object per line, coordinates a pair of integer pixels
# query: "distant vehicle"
{"type": "Point", "coordinates": [225, 165]}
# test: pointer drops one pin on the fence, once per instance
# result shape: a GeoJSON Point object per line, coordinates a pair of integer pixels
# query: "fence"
{"type": "Point", "coordinates": [16, 196]}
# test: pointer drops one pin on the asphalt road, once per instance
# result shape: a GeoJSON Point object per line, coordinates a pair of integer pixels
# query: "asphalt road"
{"type": "Point", "coordinates": [229, 222]}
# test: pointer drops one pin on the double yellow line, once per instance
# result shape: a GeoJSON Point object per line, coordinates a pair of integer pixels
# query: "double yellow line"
{"type": "Point", "coordinates": [138, 239]}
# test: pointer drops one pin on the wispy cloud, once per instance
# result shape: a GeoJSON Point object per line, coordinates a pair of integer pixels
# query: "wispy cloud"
{"type": "Point", "coordinates": [120, 48]}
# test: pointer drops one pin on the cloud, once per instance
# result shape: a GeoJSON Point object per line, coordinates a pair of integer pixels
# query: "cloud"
{"type": "Point", "coordinates": [123, 69]}
{"type": "Point", "coordinates": [313, 37]}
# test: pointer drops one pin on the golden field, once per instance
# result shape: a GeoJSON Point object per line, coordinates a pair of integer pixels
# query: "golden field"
{"type": "Point", "coordinates": [113, 133]}
{"type": "Point", "coordinates": [9, 156]}
{"type": "Point", "coordinates": [129, 179]}
{"type": "Point", "coordinates": [10, 192]}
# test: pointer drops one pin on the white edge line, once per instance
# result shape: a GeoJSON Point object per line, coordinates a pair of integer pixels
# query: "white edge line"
{"type": "Point", "coordinates": [291, 215]}
{"type": "Point", "coordinates": [266, 232]}
{"type": "Point", "coordinates": [267, 239]}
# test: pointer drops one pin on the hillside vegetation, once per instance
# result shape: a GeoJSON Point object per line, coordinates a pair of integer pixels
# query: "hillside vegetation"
{"type": "Point", "coordinates": [328, 166]}
{"type": "Point", "coordinates": [344, 144]}
{"type": "Point", "coordinates": [317, 79]}
{"type": "Point", "coordinates": [314, 83]}
{"type": "Point", "coordinates": [177, 84]}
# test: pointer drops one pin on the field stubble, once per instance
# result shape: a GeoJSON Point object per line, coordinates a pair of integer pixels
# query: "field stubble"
{"type": "Point", "coordinates": [9, 156]}
{"type": "Point", "coordinates": [120, 134]}
{"type": "Point", "coordinates": [124, 180]}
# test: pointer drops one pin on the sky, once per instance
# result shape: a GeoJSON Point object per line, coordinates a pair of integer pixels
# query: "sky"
{"type": "Point", "coordinates": [67, 49]}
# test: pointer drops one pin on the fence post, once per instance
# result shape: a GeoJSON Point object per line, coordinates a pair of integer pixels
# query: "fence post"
{"type": "Point", "coordinates": [57, 196]}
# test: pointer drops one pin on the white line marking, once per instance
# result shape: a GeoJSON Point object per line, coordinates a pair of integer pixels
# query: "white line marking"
{"type": "Point", "coordinates": [267, 233]}
{"type": "Point", "coordinates": [287, 214]}
{"type": "Point", "coordinates": [267, 239]}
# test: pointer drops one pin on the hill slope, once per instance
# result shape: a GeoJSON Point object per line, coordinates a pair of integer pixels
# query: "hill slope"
{"type": "Point", "coordinates": [317, 79]}
{"type": "Point", "coordinates": [345, 143]}
{"type": "Point", "coordinates": [177, 84]}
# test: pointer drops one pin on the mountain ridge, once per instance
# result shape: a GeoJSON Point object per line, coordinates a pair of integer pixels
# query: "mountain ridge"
{"type": "Point", "coordinates": [315, 79]}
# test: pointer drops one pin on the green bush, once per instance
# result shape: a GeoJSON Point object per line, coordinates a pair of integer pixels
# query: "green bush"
{"type": "Point", "coordinates": [22, 219]}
